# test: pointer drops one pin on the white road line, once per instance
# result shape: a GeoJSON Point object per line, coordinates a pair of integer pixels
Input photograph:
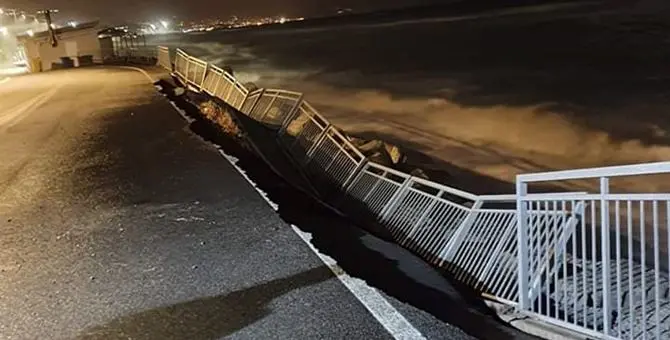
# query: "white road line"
{"type": "Point", "coordinates": [2, 81]}
{"type": "Point", "coordinates": [17, 114]}
{"type": "Point", "coordinates": [382, 310]}
{"type": "Point", "coordinates": [392, 320]}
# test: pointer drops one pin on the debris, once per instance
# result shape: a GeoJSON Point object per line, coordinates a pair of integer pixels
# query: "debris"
{"type": "Point", "coordinates": [179, 91]}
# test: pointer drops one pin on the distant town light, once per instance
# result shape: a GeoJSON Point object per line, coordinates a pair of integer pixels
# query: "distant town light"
{"type": "Point", "coordinates": [73, 24]}
{"type": "Point", "coordinates": [4, 31]}
{"type": "Point", "coordinates": [2, 11]}
{"type": "Point", "coordinates": [30, 33]}
{"type": "Point", "coordinates": [53, 25]}
{"type": "Point", "coordinates": [282, 20]}
{"type": "Point", "coordinates": [165, 24]}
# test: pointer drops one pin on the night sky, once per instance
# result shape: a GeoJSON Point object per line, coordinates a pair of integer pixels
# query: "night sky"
{"type": "Point", "coordinates": [118, 10]}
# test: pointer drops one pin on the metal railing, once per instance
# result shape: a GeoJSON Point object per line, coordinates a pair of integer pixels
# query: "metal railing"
{"type": "Point", "coordinates": [607, 274]}
{"type": "Point", "coordinates": [431, 219]}
{"type": "Point", "coordinates": [559, 257]}
{"type": "Point", "coordinates": [163, 57]}
{"type": "Point", "coordinates": [276, 107]}
{"type": "Point", "coordinates": [181, 65]}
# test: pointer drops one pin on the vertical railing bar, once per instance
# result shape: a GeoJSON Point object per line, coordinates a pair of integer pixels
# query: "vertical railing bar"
{"type": "Point", "coordinates": [217, 86]}
{"type": "Point", "coordinates": [447, 217]}
{"type": "Point", "coordinates": [488, 269]}
{"type": "Point", "coordinates": [522, 239]}
{"type": "Point", "coordinates": [459, 234]}
{"type": "Point", "coordinates": [631, 311]}
{"type": "Point", "coordinates": [617, 222]}
{"type": "Point", "coordinates": [427, 234]}
{"type": "Point", "coordinates": [584, 268]}
{"type": "Point", "coordinates": [575, 277]}
{"type": "Point", "coordinates": [594, 282]}
{"type": "Point", "coordinates": [564, 260]}
{"type": "Point", "coordinates": [605, 253]}
{"type": "Point", "coordinates": [557, 240]}
{"type": "Point", "coordinates": [395, 199]}
{"type": "Point", "coordinates": [292, 114]}
{"type": "Point", "coordinates": [443, 241]}
{"type": "Point", "coordinates": [434, 232]}
{"type": "Point", "coordinates": [657, 270]}
{"type": "Point", "coordinates": [267, 109]}
{"type": "Point", "coordinates": [423, 216]}
{"type": "Point", "coordinates": [547, 266]}
{"type": "Point", "coordinates": [643, 258]}
{"type": "Point", "coordinates": [360, 171]}
{"type": "Point", "coordinates": [479, 232]}
{"type": "Point", "coordinates": [667, 231]}
{"type": "Point", "coordinates": [316, 145]}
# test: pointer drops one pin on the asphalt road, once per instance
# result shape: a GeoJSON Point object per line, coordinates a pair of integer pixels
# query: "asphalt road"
{"type": "Point", "coordinates": [117, 222]}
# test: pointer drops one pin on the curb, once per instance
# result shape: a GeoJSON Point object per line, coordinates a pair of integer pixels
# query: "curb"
{"type": "Point", "coordinates": [528, 324]}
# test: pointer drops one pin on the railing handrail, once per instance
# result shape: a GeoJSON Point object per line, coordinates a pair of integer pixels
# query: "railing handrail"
{"type": "Point", "coordinates": [612, 171]}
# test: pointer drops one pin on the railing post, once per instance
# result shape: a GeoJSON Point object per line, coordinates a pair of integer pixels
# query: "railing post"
{"type": "Point", "coordinates": [204, 76]}
{"type": "Point", "coordinates": [267, 109]}
{"type": "Point", "coordinates": [423, 217]}
{"type": "Point", "coordinates": [354, 175]}
{"type": "Point", "coordinates": [188, 63]}
{"type": "Point", "coordinates": [290, 115]}
{"type": "Point", "coordinates": [449, 251]}
{"type": "Point", "coordinates": [605, 244]}
{"type": "Point", "coordinates": [215, 92]}
{"type": "Point", "coordinates": [522, 240]}
{"type": "Point", "coordinates": [395, 199]}
{"type": "Point", "coordinates": [258, 98]}
{"type": "Point", "coordinates": [244, 101]}
{"type": "Point", "coordinates": [312, 149]}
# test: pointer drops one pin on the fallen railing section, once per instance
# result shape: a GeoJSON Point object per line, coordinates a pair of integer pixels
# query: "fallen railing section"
{"type": "Point", "coordinates": [608, 276]}
{"type": "Point", "coordinates": [550, 255]}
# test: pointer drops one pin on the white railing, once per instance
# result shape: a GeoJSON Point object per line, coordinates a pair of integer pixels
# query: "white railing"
{"type": "Point", "coordinates": [164, 58]}
{"type": "Point", "coordinates": [592, 263]}
{"type": "Point", "coordinates": [607, 274]}
{"type": "Point", "coordinates": [181, 65]}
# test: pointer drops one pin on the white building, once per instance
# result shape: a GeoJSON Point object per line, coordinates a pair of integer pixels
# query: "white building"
{"type": "Point", "coordinates": [78, 42]}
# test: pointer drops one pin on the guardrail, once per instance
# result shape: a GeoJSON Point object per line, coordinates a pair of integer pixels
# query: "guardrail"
{"type": "Point", "coordinates": [163, 57]}
{"type": "Point", "coordinates": [429, 218]}
{"type": "Point", "coordinates": [531, 254]}
{"type": "Point", "coordinates": [607, 275]}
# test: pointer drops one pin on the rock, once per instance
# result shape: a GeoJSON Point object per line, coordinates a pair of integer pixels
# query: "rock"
{"type": "Point", "coordinates": [394, 152]}
{"type": "Point", "coordinates": [419, 173]}
{"type": "Point", "coordinates": [381, 158]}
{"type": "Point", "coordinates": [228, 69]}
{"type": "Point", "coordinates": [179, 91]}
{"type": "Point", "coordinates": [370, 146]}
{"type": "Point", "coordinates": [251, 86]}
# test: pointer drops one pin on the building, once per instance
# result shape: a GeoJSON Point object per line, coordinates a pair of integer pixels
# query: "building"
{"type": "Point", "coordinates": [79, 43]}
